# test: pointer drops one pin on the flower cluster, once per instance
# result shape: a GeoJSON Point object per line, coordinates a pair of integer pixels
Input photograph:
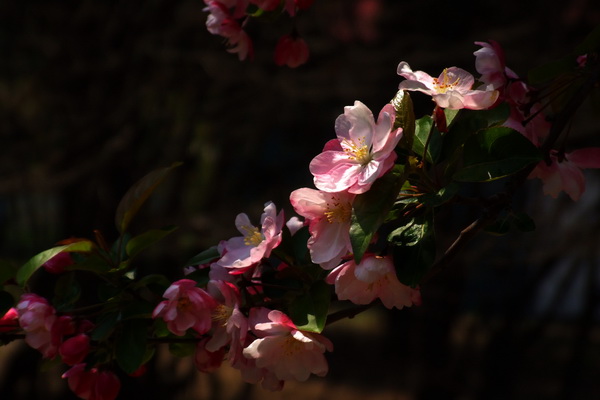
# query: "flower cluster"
{"type": "Point", "coordinates": [561, 171]}
{"type": "Point", "coordinates": [365, 234]}
{"type": "Point", "coordinates": [227, 18]}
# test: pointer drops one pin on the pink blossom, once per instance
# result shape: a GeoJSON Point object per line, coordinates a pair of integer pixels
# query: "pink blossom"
{"type": "Point", "coordinates": [37, 319]}
{"type": "Point", "coordinates": [489, 62]}
{"type": "Point", "coordinates": [187, 307]}
{"type": "Point", "coordinates": [291, 51]}
{"type": "Point", "coordinates": [284, 350]}
{"type": "Point", "coordinates": [221, 22]}
{"type": "Point", "coordinates": [242, 252]}
{"type": "Point", "coordinates": [564, 172]}
{"type": "Point", "coordinates": [329, 223]}
{"type": "Point", "coordinates": [374, 277]}
{"type": "Point", "coordinates": [205, 360]}
{"type": "Point", "coordinates": [75, 349]}
{"type": "Point", "coordinates": [362, 152]}
{"type": "Point", "coordinates": [229, 324]}
{"type": "Point", "coordinates": [452, 89]}
{"type": "Point", "coordinates": [92, 384]}
{"type": "Point", "coordinates": [294, 224]}
{"type": "Point", "coordinates": [10, 320]}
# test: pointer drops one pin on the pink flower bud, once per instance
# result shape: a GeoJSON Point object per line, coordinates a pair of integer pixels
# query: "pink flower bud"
{"type": "Point", "coordinates": [291, 51]}
{"type": "Point", "coordinates": [57, 264]}
{"type": "Point", "coordinates": [92, 384]}
{"type": "Point", "coordinates": [75, 349]}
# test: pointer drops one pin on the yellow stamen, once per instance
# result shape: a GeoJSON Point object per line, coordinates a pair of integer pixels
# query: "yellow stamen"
{"type": "Point", "coordinates": [338, 211]}
{"type": "Point", "coordinates": [445, 84]}
{"type": "Point", "coordinates": [359, 152]}
{"type": "Point", "coordinates": [252, 236]}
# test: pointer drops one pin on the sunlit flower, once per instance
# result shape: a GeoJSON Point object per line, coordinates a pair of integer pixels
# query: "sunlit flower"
{"type": "Point", "coordinates": [329, 223]}
{"type": "Point", "coordinates": [452, 89]}
{"type": "Point", "coordinates": [373, 278]}
{"type": "Point", "coordinates": [362, 152]}
{"type": "Point", "coordinates": [187, 306]}
{"type": "Point", "coordinates": [284, 350]}
{"type": "Point", "coordinates": [242, 252]}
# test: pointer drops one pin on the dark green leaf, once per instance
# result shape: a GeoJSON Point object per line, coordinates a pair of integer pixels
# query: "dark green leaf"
{"type": "Point", "coordinates": [182, 349]}
{"type": "Point", "coordinates": [137, 309]}
{"type": "Point", "coordinates": [494, 153]}
{"type": "Point", "coordinates": [405, 118]}
{"type": "Point", "coordinates": [370, 209]}
{"type": "Point", "coordinates": [413, 249]}
{"type": "Point", "coordinates": [422, 132]}
{"type": "Point", "coordinates": [137, 195]}
{"type": "Point", "coordinates": [591, 44]}
{"type": "Point", "coordinates": [66, 292]}
{"type": "Point", "coordinates": [523, 222]}
{"type": "Point", "coordinates": [25, 272]}
{"type": "Point", "coordinates": [208, 255]}
{"type": "Point", "coordinates": [551, 70]}
{"type": "Point", "coordinates": [147, 239]}
{"type": "Point", "coordinates": [130, 346]}
{"type": "Point", "coordinates": [309, 311]}
{"type": "Point", "coordinates": [105, 325]}
{"type": "Point", "coordinates": [499, 227]}
{"type": "Point", "coordinates": [200, 276]}
{"type": "Point", "coordinates": [450, 116]}
{"type": "Point", "coordinates": [8, 270]}
{"type": "Point", "coordinates": [440, 197]}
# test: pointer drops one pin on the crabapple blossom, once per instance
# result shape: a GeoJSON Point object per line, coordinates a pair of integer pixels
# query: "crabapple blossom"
{"type": "Point", "coordinates": [489, 62]}
{"type": "Point", "coordinates": [291, 50]}
{"type": "Point", "coordinates": [374, 277]}
{"type": "Point", "coordinates": [205, 360]}
{"type": "Point", "coordinates": [92, 384]}
{"type": "Point", "coordinates": [362, 152]}
{"type": "Point", "coordinates": [228, 321]}
{"type": "Point", "coordinates": [564, 171]}
{"type": "Point", "coordinates": [329, 223]}
{"type": "Point", "coordinates": [452, 89]}
{"type": "Point", "coordinates": [242, 252]}
{"type": "Point", "coordinates": [283, 349]}
{"type": "Point", "coordinates": [75, 349]}
{"type": "Point", "coordinates": [37, 318]}
{"type": "Point", "coordinates": [221, 22]}
{"type": "Point", "coordinates": [187, 306]}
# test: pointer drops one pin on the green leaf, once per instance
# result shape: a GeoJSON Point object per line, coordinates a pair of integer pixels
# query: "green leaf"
{"type": "Point", "coordinates": [182, 349]}
{"type": "Point", "coordinates": [591, 44]}
{"type": "Point", "coordinates": [147, 239]}
{"type": "Point", "coordinates": [523, 222]}
{"type": "Point", "coordinates": [370, 209]}
{"type": "Point", "coordinates": [66, 292]}
{"type": "Point", "coordinates": [137, 195]}
{"type": "Point", "coordinates": [547, 72]}
{"type": "Point", "coordinates": [25, 272]}
{"type": "Point", "coordinates": [494, 153]}
{"type": "Point", "coordinates": [413, 249]}
{"type": "Point", "coordinates": [440, 197]}
{"type": "Point", "coordinates": [422, 132]}
{"type": "Point", "coordinates": [309, 311]}
{"type": "Point", "coordinates": [499, 227]}
{"type": "Point", "coordinates": [204, 257]}
{"type": "Point", "coordinates": [130, 346]}
{"type": "Point", "coordinates": [137, 309]}
{"type": "Point", "coordinates": [105, 325]}
{"type": "Point", "coordinates": [405, 118]}
{"type": "Point", "coordinates": [450, 116]}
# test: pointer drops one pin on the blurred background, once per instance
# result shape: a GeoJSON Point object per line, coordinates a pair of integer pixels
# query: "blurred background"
{"type": "Point", "coordinates": [95, 94]}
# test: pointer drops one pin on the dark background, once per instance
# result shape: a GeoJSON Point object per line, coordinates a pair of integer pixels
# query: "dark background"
{"type": "Point", "coordinates": [95, 94]}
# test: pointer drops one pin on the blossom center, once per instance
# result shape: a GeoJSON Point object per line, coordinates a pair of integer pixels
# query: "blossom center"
{"type": "Point", "coordinates": [184, 304]}
{"type": "Point", "coordinates": [445, 84]}
{"type": "Point", "coordinates": [357, 151]}
{"type": "Point", "coordinates": [338, 211]}
{"type": "Point", "coordinates": [252, 236]}
{"type": "Point", "coordinates": [292, 346]}
{"type": "Point", "coordinates": [221, 314]}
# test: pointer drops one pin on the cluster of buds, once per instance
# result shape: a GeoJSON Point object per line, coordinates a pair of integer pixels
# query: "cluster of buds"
{"type": "Point", "coordinates": [228, 18]}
